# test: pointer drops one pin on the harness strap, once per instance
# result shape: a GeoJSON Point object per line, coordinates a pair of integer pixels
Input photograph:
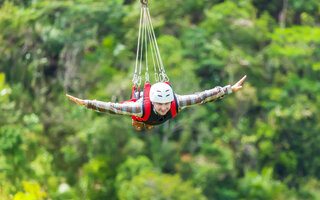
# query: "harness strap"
{"type": "Point", "coordinates": [173, 107]}
{"type": "Point", "coordinates": [146, 104]}
{"type": "Point", "coordinates": [133, 97]}
{"type": "Point", "coordinates": [133, 92]}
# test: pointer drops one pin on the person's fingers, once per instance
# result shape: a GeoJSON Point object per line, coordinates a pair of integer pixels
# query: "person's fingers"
{"type": "Point", "coordinates": [236, 88]}
{"type": "Point", "coordinates": [69, 96]}
{"type": "Point", "coordinates": [78, 101]}
{"type": "Point", "coordinates": [241, 80]}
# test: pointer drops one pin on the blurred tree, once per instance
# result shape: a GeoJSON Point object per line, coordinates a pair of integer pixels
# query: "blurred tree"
{"type": "Point", "coordinates": [213, 171]}
{"type": "Point", "coordinates": [219, 149]}
{"type": "Point", "coordinates": [158, 186]}
{"type": "Point", "coordinates": [294, 52]}
{"type": "Point", "coordinates": [32, 192]}
{"type": "Point", "coordinates": [255, 186]}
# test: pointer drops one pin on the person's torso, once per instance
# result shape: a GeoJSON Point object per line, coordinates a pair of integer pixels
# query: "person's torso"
{"type": "Point", "coordinates": [155, 118]}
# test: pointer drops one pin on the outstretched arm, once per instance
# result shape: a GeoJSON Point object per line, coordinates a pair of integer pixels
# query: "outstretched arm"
{"type": "Point", "coordinates": [132, 108]}
{"type": "Point", "coordinates": [208, 95]}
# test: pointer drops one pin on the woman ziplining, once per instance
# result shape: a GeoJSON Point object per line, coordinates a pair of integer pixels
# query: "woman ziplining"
{"type": "Point", "coordinates": [157, 103]}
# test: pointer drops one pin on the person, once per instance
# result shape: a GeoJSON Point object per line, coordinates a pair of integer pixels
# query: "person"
{"type": "Point", "coordinates": [164, 103]}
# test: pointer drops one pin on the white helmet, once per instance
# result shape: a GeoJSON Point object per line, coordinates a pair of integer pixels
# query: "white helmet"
{"type": "Point", "coordinates": [161, 93]}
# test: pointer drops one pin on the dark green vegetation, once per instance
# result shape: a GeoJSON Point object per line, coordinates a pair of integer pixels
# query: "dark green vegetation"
{"type": "Point", "coordinates": [260, 143]}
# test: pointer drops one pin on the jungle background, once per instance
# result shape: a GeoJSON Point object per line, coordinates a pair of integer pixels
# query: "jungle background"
{"type": "Point", "coordinates": [260, 143]}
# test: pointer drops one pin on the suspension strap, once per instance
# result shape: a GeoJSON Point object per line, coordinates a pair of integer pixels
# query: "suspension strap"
{"type": "Point", "coordinates": [153, 43]}
{"type": "Point", "coordinates": [146, 37]}
{"type": "Point", "coordinates": [145, 21]}
{"type": "Point", "coordinates": [163, 76]}
{"type": "Point", "coordinates": [137, 78]}
{"type": "Point", "coordinates": [173, 108]}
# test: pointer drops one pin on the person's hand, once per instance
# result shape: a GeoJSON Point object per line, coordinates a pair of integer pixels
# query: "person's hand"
{"type": "Point", "coordinates": [78, 101]}
{"type": "Point", "coordinates": [238, 85]}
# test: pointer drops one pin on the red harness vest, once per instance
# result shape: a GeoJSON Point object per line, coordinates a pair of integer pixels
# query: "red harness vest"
{"type": "Point", "coordinates": [147, 103]}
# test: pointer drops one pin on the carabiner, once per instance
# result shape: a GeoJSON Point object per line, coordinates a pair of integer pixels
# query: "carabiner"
{"type": "Point", "coordinates": [147, 77]}
{"type": "Point", "coordinates": [139, 81]}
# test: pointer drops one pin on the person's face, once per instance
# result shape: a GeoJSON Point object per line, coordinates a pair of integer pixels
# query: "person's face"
{"type": "Point", "coordinates": [161, 108]}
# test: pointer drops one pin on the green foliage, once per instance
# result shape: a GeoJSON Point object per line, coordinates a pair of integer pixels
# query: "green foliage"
{"type": "Point", "coordinates": [308, 6]}
{"type": "Point", "coordinates": [11, 138]}
{"type": "Point", "coordinates": [214, 171]}
{"type": "Point", "coordinates": [5, 90]}
{"type": "Point", "coordinates": [227, 16]}
{"type": "Point", "coordinates": [158, 186]}
{"type": "Point", "coordinates": [132, 167]}
{"type": "Point", "coordinates": [256, 186]}
{"type": "Point", "coordinates": [32, 192]}
{"type": "Point", "coordinates": [310, 189]}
